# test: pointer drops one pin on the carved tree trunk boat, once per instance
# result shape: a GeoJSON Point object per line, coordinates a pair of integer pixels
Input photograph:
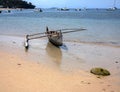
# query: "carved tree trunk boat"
{"type": "Point", "coordinates": [55, 37]}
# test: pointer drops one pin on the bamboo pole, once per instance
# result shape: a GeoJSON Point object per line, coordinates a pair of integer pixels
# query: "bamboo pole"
{"type": "Point", "coordinates": [74, 31]}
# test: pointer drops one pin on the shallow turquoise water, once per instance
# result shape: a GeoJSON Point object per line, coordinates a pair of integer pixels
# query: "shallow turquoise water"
{"type": "Point", "coordinates": [102, 26]}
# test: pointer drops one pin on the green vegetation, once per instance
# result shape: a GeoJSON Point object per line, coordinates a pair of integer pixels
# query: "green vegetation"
{"type": "Point", "coordinates": [16, 4]}
{"type": "Point", "coordinates": [100, 71]}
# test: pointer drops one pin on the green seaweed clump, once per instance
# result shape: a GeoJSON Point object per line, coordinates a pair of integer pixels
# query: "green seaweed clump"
{"type": "Point", "coordinates": [100, 71]}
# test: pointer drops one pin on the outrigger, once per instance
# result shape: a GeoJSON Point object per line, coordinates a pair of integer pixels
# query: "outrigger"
{"type": "Point", "coordinates": [55, 37]}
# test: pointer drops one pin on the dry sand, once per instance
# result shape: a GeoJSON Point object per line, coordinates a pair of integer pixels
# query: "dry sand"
{"type": "Point", "coordinates": [45, 68]}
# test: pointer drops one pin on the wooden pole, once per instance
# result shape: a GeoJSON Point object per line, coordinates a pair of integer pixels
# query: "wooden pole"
{"type": "Point", "coordinates": [36, 34]}
{"type": "Point", "coordinates": [74, 31]}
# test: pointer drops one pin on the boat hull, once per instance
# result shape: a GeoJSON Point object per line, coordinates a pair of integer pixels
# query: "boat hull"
{"type": "Point", "coordinates": [56, 41]}
{"type": "Point", "coordinates": [55, 37]}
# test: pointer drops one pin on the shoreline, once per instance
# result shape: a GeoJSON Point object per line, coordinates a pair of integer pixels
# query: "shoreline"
{"type": "Point", "coordinates": [10, 9]}
{"type": "Point", "coordinates": [47, 68]}
{"type": "Point", "coordinates": [109, 44]}
{"type": "Point", "coordinates": [17, 42]}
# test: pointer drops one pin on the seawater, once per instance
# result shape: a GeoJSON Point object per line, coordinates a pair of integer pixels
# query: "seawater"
{"type": "Point", "coordinates": [102, 26]}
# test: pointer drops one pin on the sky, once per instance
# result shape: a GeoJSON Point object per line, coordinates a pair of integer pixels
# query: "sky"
{"type": "Point", "coordinates": [75, 3]}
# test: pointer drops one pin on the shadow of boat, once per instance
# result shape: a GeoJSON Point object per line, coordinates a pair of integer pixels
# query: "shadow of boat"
{"type": "Point", "coordinates": [54, 53]}
{"type": "Point", "coordinates": [64, 47]}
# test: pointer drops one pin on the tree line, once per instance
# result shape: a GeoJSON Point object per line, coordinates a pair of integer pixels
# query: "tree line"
{"type": "Point", "coordinates": [16, 4]}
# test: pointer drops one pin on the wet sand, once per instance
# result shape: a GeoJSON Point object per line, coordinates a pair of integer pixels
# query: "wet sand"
{"type": "Point", "coordinates": [45, 68]}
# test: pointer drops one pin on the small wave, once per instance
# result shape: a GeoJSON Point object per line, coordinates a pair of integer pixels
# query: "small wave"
{"type": "Point", "coordinates": [112, 44]}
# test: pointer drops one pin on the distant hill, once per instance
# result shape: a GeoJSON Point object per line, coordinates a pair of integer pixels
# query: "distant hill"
{"type": "Point", "coordinates": [16, 4]}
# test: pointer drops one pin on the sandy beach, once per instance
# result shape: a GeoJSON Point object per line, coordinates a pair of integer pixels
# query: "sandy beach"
{"type": "Point", "coordinates": [45, 68]}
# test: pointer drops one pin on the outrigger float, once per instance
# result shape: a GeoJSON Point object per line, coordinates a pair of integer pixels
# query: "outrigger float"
{"type": "Point", "coordinates": [55, 37]}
